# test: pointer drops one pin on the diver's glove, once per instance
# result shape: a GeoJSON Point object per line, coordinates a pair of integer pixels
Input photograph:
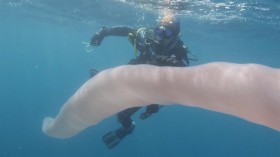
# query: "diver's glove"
{"type": "Point", "coordinates": [99, 36]}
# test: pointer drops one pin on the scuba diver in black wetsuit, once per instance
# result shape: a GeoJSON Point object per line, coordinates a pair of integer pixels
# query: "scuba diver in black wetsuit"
{"type": "Point", "coordinates": [159, 46]}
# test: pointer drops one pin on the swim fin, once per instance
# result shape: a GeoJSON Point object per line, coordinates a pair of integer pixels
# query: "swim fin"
{"type": "Point", "coordinates": [113, 138]}
{"type": "Point", "coordinates": [93, 72]}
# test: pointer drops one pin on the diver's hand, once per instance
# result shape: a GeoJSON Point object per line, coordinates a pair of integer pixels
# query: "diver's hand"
{"type": "Point", "coordinates": [99, 36]}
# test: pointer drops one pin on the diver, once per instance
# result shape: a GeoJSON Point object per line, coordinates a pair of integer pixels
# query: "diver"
{"type": "Point", "coordinates": [159, 46]}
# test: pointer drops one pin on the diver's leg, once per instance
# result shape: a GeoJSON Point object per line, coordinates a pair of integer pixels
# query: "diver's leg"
{"type": "Point", "coordinates": [153, 108]}
{"type": "Point", "coordinates": [124, 117]}
{"type": "Point", "coordinates": [150, 109]}
{"type": "Point", "coordinates": [113, 138]}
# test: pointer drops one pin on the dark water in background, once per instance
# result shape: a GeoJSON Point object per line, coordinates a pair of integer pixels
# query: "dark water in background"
{"type": "Point", "coordinates": [43, 62]}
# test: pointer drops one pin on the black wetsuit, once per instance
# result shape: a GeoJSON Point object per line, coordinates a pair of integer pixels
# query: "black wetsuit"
{"type": "Point", "coordinates": [150, 52]}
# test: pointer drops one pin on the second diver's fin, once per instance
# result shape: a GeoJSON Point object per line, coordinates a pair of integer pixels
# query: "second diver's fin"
{"type": "Point", "coordinates": [113, 138]}
{"type": "Point", "coordinates": [93, 72]}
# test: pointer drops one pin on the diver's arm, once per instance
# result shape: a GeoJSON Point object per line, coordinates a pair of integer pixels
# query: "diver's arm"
{"type": "Point", "coordinates": [181, 54]}
{"type": "Point", "coordinates": [119, 31]}
{"type": "Point", "coordinates": [184, 57]}
{"type": "Point", "coordinates": [114, 31]}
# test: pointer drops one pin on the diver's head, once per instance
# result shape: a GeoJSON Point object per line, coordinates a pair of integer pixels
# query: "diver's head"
{"type": "Point", "coordinates": [168, 30]}
{"type": "Point", "coordinates": [168, 27]}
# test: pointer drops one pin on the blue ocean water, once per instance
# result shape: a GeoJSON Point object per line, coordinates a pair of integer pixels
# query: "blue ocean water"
{"type": "Point", "coordinates": [43, 62]}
